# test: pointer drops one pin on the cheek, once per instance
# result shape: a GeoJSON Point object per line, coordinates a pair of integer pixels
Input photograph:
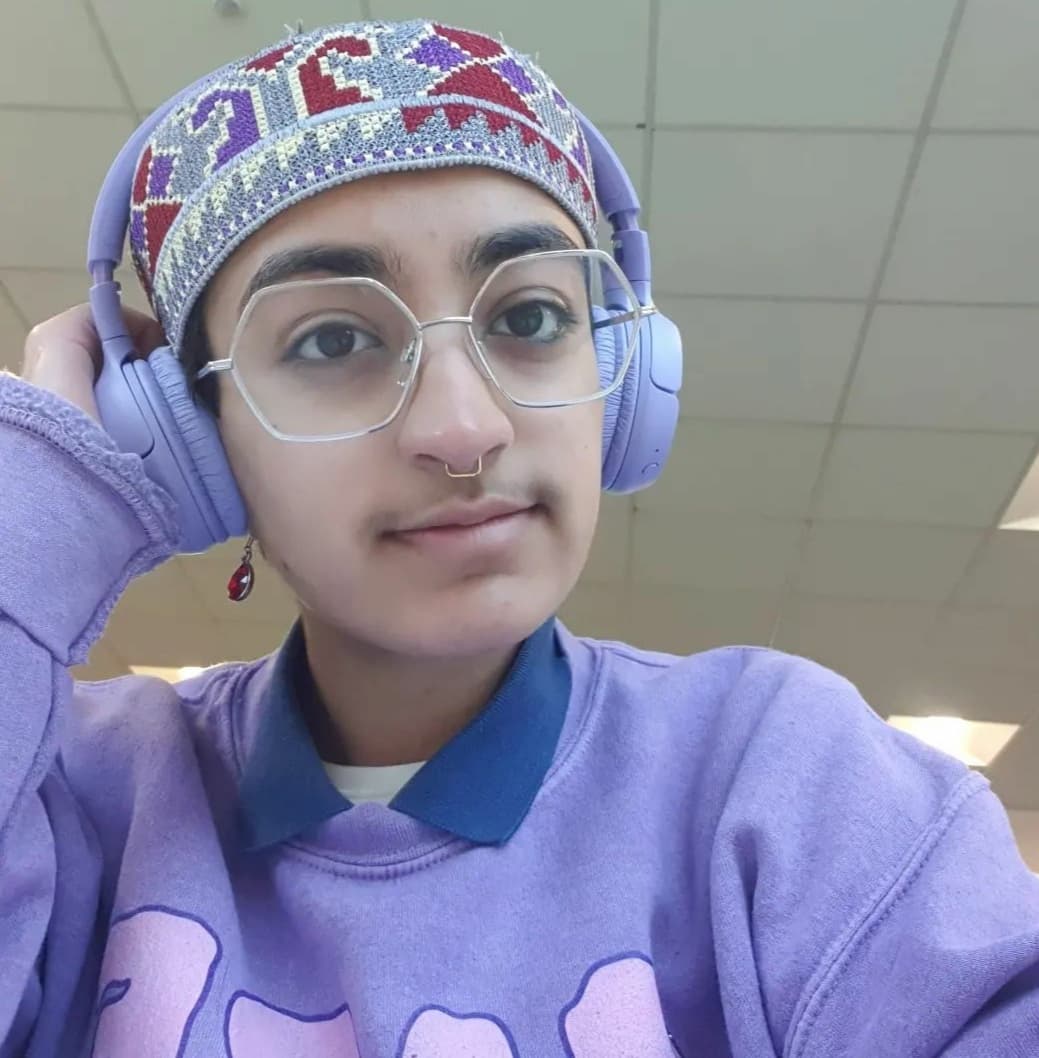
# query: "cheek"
{"type": "Point", "coordinates": [569, 449]}
{"type": "Point", "coordinates": [287, 487]}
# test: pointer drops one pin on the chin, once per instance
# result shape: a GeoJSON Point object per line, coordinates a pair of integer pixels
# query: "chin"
{"type": "Point", "coordinates": [480, 616]}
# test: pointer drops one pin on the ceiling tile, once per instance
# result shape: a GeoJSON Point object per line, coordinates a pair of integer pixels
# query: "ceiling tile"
{"type": "Point", "coordinates": [949, 687]}
{"type": "Point", "coordinates": [53, 58]}
{"type": "Point", "coordinates": [713, 553]}
{"type": "Point", "coordinates": [971, 226]}
{"type": "Point", "coordinates": [597, 610]}
{"type": "Point", "coordinates": [608, 560]}
{"type": "Point", "coordinates": [685, 622]}
{"type": "Point", "coordinates": [948, 367]}
{"type": "Point", "coordinates": [779, 360]}
{"type": "Point", "coordinates": [196, 40]}
{"type": "Point", "coordinates": [1006, 573]}
{"type": "Point", "coordinates": [599, 63]}
{"type": "Point", "coordinates": [931, 477]}
{"type": "Point", "coordinates": [894, 563]}
{"type": "Point", "coordinates": [62, 160]}
{"type": "Point", "coordinates": [773, 213]}
{"type": "Point", "coordinates": [12, 335]}
{"type": "Point", "coordinates": [987, 635]}
{"type": "Point", "coordinates": [740, 468]}
{"type": "Point", "coordinates": [806, 62]}
{"type": "Point", "coordinates": [42, 293]}
{"type": "Point", "coordinates": [993, 78]}
{"type": "Point", "coordinates": [841, 633]}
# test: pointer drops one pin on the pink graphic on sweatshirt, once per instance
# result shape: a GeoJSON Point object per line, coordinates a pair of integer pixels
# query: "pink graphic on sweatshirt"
{"type": "Point", "coordinates": [437, 1033]}
{"type": "Point", "coordinates": [616, 1013]}
{"type": "Point", "coordinates": [156, 971]}
{"type": "Point", "coordinates": [257, 1028]}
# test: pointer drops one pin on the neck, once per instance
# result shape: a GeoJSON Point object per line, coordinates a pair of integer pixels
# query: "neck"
{"type": "Point", "coordinates": [378, 708]}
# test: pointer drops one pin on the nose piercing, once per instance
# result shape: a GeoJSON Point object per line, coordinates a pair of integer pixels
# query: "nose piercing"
{"type": "Point", "coordinates": [470, 474]}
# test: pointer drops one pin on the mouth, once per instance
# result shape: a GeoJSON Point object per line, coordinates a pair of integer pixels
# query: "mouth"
{"type": "Point", "coordinates": [480, 529]}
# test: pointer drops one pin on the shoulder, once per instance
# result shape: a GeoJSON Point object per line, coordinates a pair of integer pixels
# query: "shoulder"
{"type": "Point", "coordinates": [133, 727]}
{"type": "Point", "coordinates": [775, 721]}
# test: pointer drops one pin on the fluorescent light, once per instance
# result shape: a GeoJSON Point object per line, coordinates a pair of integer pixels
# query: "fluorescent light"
{"type": "Point", "coordinates": [168, 674]}
{"type": "Point", "coordinates": [1023, 512]}
{"type": "Point", "coordinates": [977, 743]}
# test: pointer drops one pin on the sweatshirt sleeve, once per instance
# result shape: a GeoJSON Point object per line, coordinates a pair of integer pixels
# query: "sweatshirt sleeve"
{"type": "Point", "coordinates": [78, 520]}
{"type": "Point", "coordinates": [869, 896]}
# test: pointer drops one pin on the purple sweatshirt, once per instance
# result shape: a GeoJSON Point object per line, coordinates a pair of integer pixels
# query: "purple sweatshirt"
{"type": "Point", "coordinates": [626, 855]}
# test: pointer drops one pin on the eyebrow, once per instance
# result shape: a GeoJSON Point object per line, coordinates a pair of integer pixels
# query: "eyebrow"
{"type": "Point", "coordinates": [364, 261]}
{"type": "Point", "coordinates": [483, 255]}
{"type": "Point", "coordinates": [489, 251]}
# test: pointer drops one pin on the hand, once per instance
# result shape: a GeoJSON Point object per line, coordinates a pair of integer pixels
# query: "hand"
{"type": "Point", "coordinates": [63, 354]}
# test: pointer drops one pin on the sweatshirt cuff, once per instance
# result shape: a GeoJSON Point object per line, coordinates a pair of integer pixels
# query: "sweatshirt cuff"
{"type": "Point", "coordinates": [78, 520]}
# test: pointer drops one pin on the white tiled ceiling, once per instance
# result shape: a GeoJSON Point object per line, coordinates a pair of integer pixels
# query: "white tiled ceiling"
{"type": "Point", "coordinates": [948, 368]}
{"type": "Point", "coordinates": [993, 79]}
{"type": "Point", "coordinates": [844, 205]}
{"type": "Point", "coordinates": [756, 62]}
{"type": "Point", "coordinates": [971, 226]}
{"type": "Point", "coordinates": [740, 468]}
{"type": "Point", "coordinates": [786, 213]}
{"type": "Point", "coordinates": [922, 476]}
{"type": "Point", "coordinates": [53, 165]}
{"type": "Point", "coordinates": [892, 563]}
{"type": "Point", "coordinates": [780, 361]}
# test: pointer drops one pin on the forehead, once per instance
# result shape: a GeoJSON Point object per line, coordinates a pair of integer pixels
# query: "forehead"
{"type": "Point", "coordinates": [419, 220]}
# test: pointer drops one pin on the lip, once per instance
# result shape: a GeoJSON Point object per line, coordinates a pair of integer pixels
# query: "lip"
{"type": "Point", "coordinates": [465, 515]}
{"type": "Point", "coordinates": [464, 533]}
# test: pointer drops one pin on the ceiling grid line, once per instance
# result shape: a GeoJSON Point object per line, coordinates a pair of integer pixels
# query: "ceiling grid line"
{"type": "Point", "coordinates": [649, 118]}
{"type": "Point", "coordinates": [983, 544]}
{"type": "Point", "coordinates": [902, 200]}
{"type": "Point", "coordinates": [117, 71]}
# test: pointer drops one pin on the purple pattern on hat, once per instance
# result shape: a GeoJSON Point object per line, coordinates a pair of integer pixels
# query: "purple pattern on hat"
{"type": "Point", "coordinates": [159, 176]}
{"type": "Point", "coordinates": [438, 54]}
{"type": "Point", "coordinates": [137, 230]}
{"type": "Point", "coordinates": [514, 74]}
{"type": "Point", "coordinates": [242, 128]}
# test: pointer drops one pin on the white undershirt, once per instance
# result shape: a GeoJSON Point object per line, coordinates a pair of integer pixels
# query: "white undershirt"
{"type": "Point", "coordinates": [361, 784]}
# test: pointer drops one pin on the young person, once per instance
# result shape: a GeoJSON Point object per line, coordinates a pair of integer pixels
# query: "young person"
{"type": "Point", "coordinates": [434, 822]}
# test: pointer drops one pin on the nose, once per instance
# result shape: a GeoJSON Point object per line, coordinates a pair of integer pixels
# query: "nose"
{"type": "Point", "coordinates": [454, 415]}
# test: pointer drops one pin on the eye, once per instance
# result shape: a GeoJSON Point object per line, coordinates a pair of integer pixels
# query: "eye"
{"type": "Point", "coordinates": [332, 341]}
{"type": "Point", "coordinates": [533, 321]}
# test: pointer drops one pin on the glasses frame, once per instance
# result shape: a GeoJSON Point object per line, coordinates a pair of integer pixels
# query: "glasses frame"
{"type": "Point", "coordinates": [407, 386]}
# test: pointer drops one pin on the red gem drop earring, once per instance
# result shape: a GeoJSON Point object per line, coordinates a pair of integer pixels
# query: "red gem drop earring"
{"type": "Point", "coordinates": [243, 578]}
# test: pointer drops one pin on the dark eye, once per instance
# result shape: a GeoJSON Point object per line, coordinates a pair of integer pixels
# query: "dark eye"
{"type": "Point", "coordinates": [332, 341]}
{"type": "Point", "coordinates": [534, 321]}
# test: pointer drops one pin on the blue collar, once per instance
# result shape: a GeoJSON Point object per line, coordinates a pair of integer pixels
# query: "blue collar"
{"type": "Point", "coordinates": [479, 786]}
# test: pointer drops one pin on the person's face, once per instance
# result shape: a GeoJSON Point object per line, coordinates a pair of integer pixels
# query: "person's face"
{"type": "Point", "coordinates": [338, 519]}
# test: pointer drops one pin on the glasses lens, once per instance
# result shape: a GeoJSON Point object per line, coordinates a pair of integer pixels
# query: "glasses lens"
{"type": "Point", "coordinates": [541, 337]}
{"type": "Point", "coordinates": [324, 357]}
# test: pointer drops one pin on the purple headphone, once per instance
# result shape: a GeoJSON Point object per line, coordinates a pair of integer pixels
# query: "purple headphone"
{"type": "Point", "coordinates": [146, 407]}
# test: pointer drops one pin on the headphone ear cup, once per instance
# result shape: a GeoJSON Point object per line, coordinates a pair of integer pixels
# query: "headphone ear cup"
{"type": "Point", "coordinates": [641, 416]}
{"type": "Point", "coordinates": [610, 349]}
{"type": "Point", "coordinates": [210, 472]}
